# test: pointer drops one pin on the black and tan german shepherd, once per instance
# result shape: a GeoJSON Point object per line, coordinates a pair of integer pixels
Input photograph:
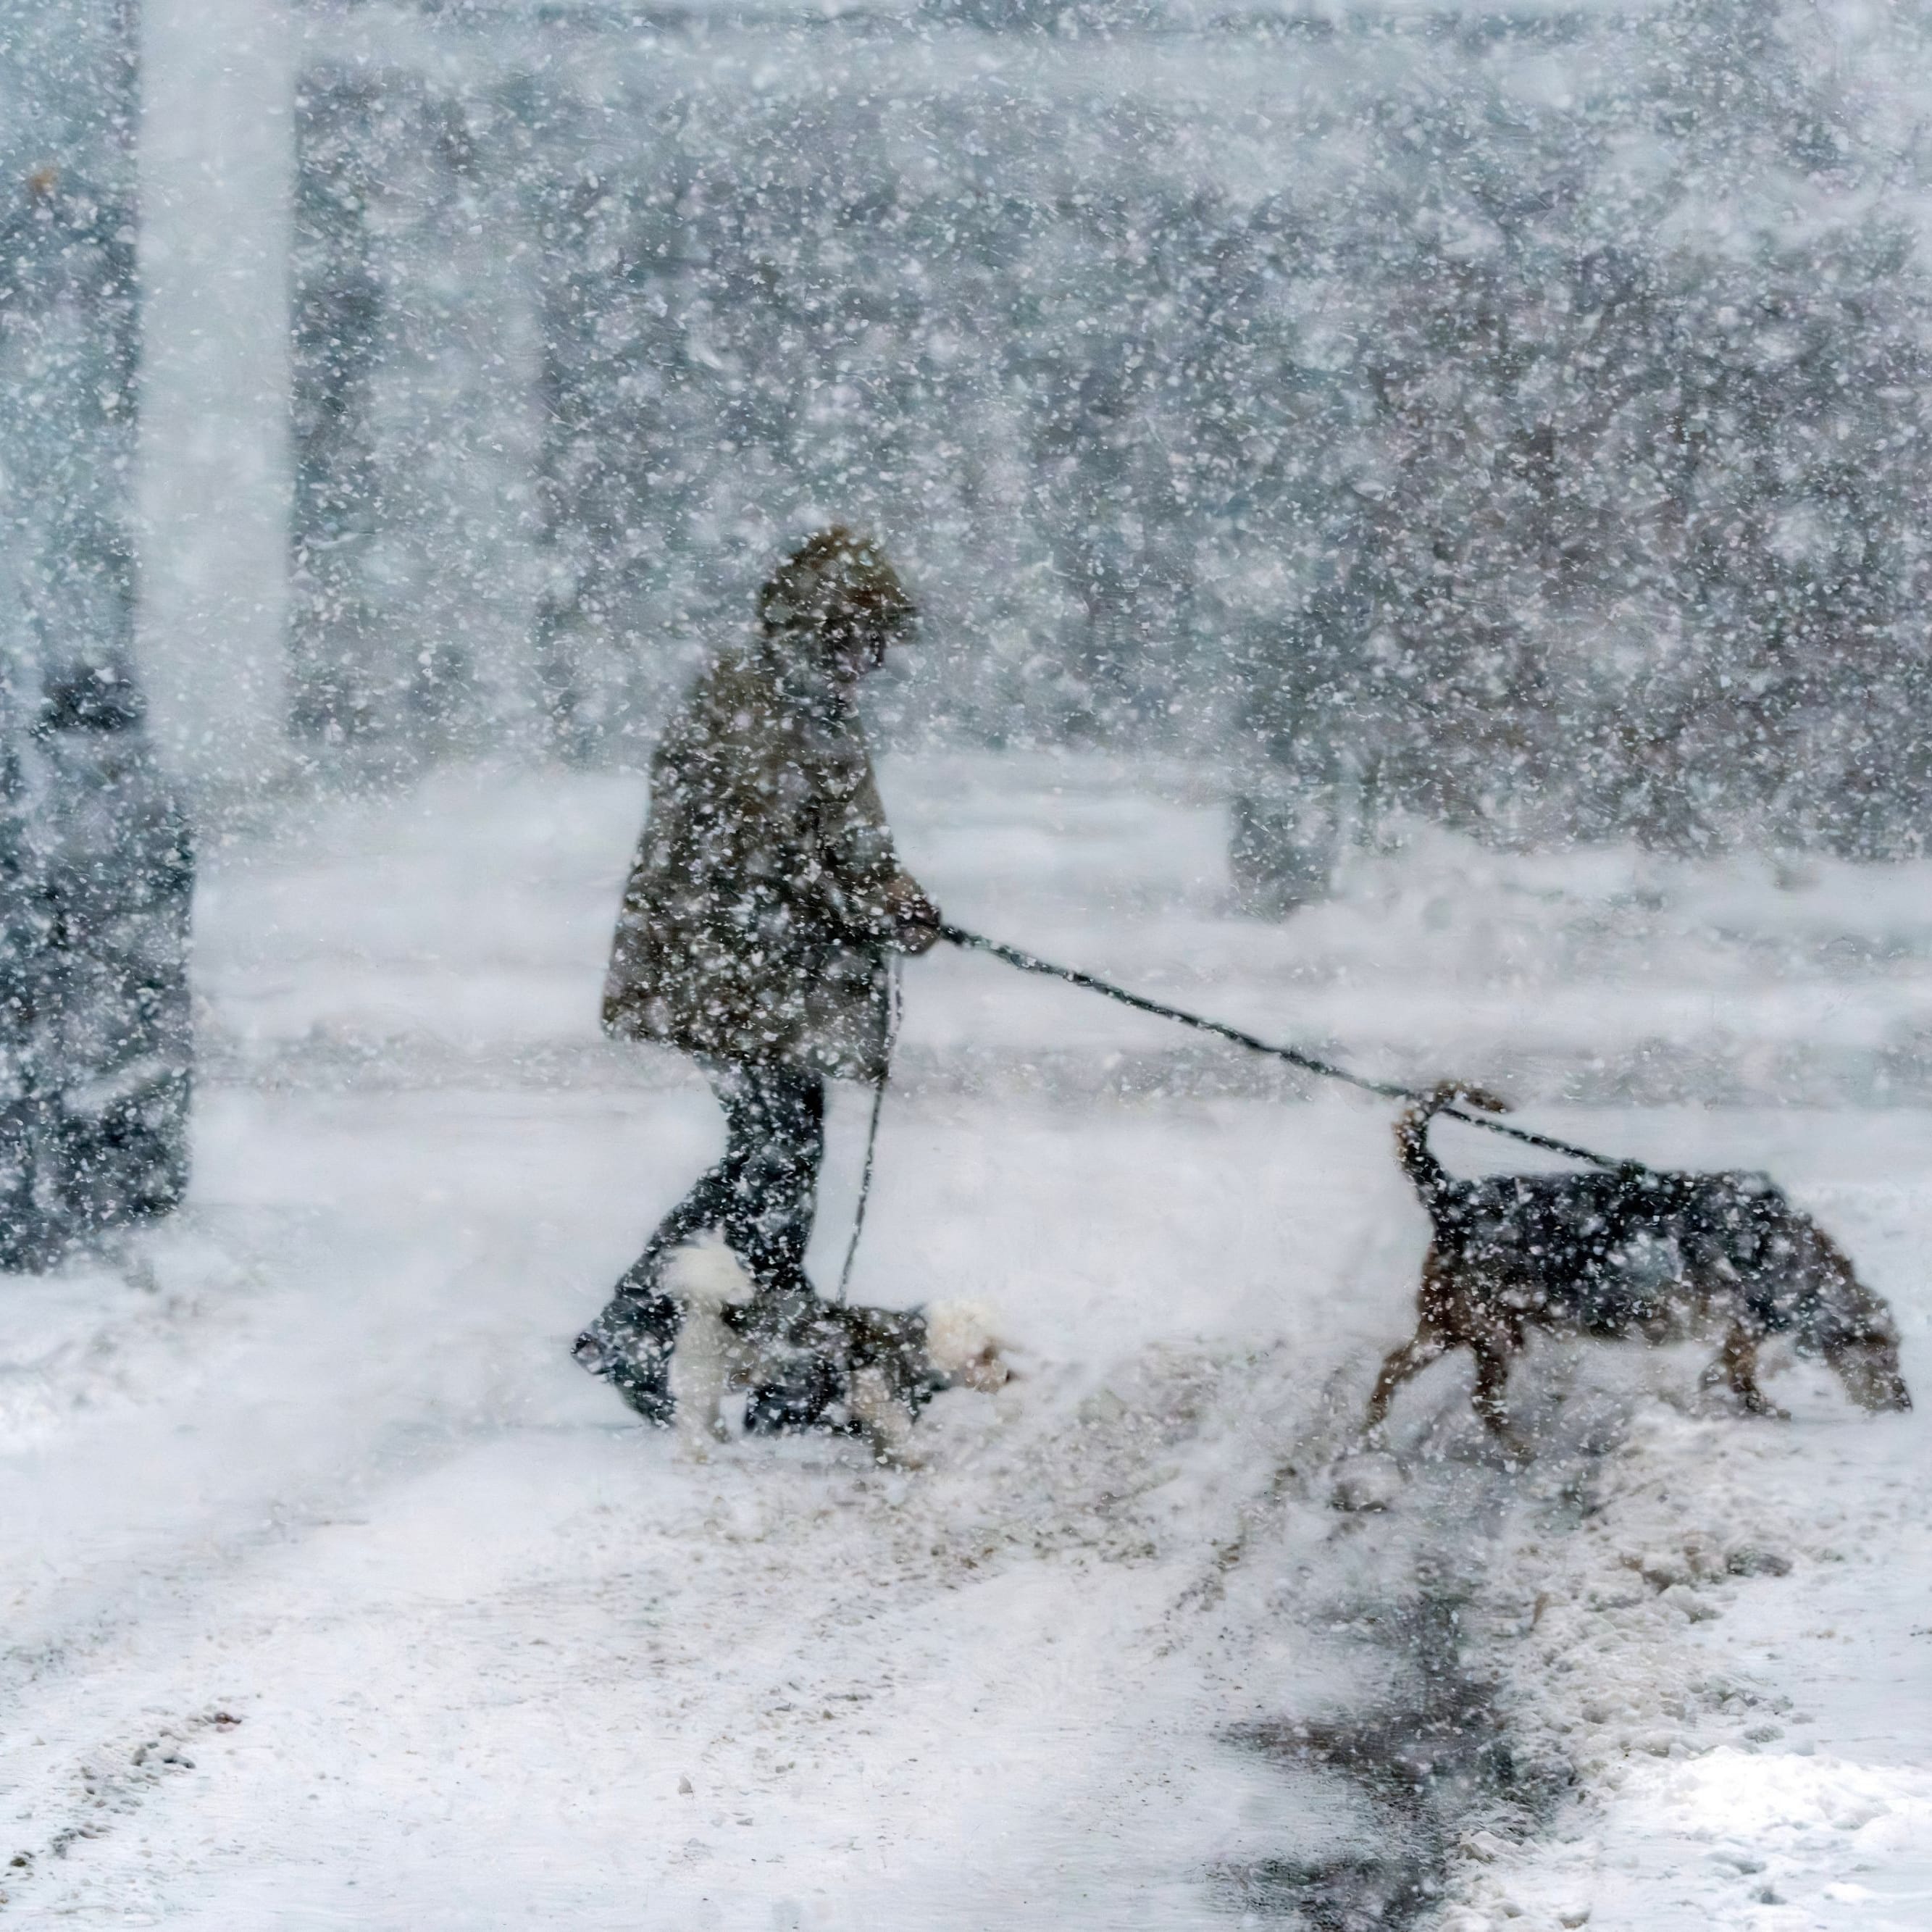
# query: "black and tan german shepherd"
{"type": "Point", "coordinates": [1630, 1252]}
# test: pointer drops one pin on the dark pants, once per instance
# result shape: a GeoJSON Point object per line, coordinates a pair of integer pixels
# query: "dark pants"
{"type": "Point", "coordinates": [761, 1197]}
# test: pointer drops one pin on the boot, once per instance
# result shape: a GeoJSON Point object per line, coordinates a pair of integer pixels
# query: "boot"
{"type": "Point", "coordinates": [804, 1384]}
{"type": "Point", "coordinates": [629, 1345]}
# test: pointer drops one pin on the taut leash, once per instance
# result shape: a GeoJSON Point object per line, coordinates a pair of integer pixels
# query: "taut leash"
{"type": "Point", "coordinates": [1027, 962]}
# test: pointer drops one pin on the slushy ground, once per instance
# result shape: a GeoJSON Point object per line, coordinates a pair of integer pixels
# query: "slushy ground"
{"type": "Point", "coordinates": [335, 1594]}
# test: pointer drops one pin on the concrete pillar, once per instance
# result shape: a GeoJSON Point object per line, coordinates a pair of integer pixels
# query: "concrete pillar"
{"type": "Point", "coordinates": [216, 181]}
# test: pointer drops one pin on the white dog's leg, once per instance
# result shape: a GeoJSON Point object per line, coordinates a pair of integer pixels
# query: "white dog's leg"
{"type": "Point", "coordinates": [706, 1280]}
{"type": "Point", "coordinates": [701, 1374]}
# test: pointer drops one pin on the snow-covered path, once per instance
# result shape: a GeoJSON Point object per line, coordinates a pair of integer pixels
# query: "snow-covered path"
{"type": "Point", "coordinates": [335, 1595]}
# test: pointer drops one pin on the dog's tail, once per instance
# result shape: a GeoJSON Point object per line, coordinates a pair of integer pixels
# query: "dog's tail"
{"type": "Point", "coordinates": [1412, 1149]}
{"type": "Point", "coordinates": [705, 1274]}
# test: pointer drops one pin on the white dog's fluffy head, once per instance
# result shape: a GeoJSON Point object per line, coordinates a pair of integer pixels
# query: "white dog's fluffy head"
{"type": "Point", "coordinates": [707, 1274]}
{"type": "Point", "coordinates": [963, 1345]}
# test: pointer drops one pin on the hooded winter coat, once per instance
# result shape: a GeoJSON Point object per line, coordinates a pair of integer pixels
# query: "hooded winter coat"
{"type": "Point", "coordinates": [766, 891]}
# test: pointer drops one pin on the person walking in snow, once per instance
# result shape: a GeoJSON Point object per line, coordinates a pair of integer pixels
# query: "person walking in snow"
{"type": "Point", "coordinates": [754, 930]}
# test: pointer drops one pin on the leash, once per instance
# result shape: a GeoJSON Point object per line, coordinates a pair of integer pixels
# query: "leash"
{"type": "Point", "coordinates": [1028, 962]}
{"type": "Point", "coordinates": [872, 1132]}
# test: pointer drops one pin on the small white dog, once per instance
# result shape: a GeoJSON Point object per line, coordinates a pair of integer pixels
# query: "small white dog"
{"type": "Point", "coordinates": [865, 1372]}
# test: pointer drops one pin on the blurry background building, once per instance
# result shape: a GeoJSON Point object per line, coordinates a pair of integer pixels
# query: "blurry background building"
{"type": "Point", "coordinates": [1516, 417]}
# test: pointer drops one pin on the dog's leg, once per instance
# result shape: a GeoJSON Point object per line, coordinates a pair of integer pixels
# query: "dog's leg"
{"type": "Point", "coordinates": [710, 1286]}
{"type": "Point", "coordinates": [884, 1424]}
{"type": "Point", "coordinates": [1428, 1344]}
{"type": "Point", "coordinates": [1493, 1354]}
{"type": "Point", "coordinates": [700, 1369]}
{"type": "Point", "coordinates": [1737, 1363]}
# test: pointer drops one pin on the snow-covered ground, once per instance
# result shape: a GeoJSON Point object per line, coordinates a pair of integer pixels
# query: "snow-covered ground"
{"type": "Point", "coordinates": [335, 1595]}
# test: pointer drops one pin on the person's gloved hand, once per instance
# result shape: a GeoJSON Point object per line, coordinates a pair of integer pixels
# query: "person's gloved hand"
{"type": "Point", "coordinates": [916, 922]}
